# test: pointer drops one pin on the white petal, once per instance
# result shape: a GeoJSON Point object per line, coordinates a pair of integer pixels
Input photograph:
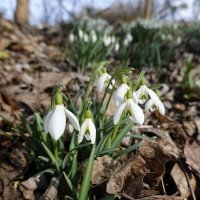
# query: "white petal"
{"type": "Point", "coordinates": [149, 105]}
{"type": "Point", "coordinates": [161, 107]}
{"type": "Point", "coordinates": [156, 100]}
{"type": "Point", "coordinates": [46, 122]}
{"type": "Point", "coordinates": [101, 83]}
{"type": "Point", "coordinates": [152, 94]}
{"type": "Point", "coordinates": [57, 122]}
{"type": "Point", "coordinates": [118, 113]}
{"type": "Point", "coordinates": [120, 93]}
{"type": "Point", "coordinates": [136, 112]}
{"type": "Point", "coordinates": [82, 131]}
{"type": "Point", "coordinates": [72, 118]}
{"type": "Point", "coordinates": [140, 92]}
{"type": "Point", "coordinates": [92, 130]}
{"type": "Point", "coordinates": [135, 97]}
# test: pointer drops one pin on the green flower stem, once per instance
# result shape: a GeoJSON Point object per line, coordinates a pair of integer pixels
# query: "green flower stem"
{"type": "Point", "coordinates": [108, 102]}
{"type": "Point", "coordinates": [85, 186]}
{"type": "Point", "coordinates": [116, 129]}
{"type": "Point", "coordinates": [73, 145]}
{"type": "Point", "coordinates": [55, 147]}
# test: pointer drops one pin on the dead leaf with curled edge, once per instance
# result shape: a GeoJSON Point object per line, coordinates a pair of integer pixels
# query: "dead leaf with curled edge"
{"type": "Point", "coordinates": [132, 168]}
{"type": "Point", "coordinates": [103, 168]}
{"type": "Point", "coordinates": [155, 157]}
{"type": "Point", "coordinates": [181, 181]}
{"type": "Point", "coordinates": [191, 152]}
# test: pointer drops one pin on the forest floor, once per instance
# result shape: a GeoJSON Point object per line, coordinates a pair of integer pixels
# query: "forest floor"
{"type": "Point", "coordinates": [31, 63]}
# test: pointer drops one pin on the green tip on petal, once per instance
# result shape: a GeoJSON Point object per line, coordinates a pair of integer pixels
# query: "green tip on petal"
{"type": "Point", "coordinates": [129, 94]}
{"type": "Point", "coordinates": [58, 99]}
{"type": "Point", "coordinates": [143, 82]}
{"type": "Point", "coordinates": [104, 70]}
{"type": "Point", "coordinates": [88, 114]}
{"type": "Point", "coordinates": [124, 79]}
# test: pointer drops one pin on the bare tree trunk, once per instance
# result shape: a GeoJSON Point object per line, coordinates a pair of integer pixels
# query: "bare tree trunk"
{"type": "Point", "coordinates": [22, 12]}
{"type": "Point", "coordinates": [148, 12]}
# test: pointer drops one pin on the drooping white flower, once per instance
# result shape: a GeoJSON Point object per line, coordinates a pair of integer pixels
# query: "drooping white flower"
{"type": "Point", "coordinates": [103, 81]}
{"type": "Point", "coordinates": [94, 36]}
{"type": "Point", "coordinates": [86, 38]}
{"type": "Point", "coordinates": [130, 108]}
{"type": "Point", "coordinates": [80, 33]}
{"type": "Point", "coordinates": [142, 94]}
{"type": "Point", "coordinates": [88, 129]}
{"type": "Point", "coordinates": [116, 46]}
{"type": "Point", "coordinates": [71, 37]}
{"type": "Point", "coordinates": [106, 40]}
{"type": "Point", "coordinates": [55, 120]}
{"type": "Point", "coordinates": [153, 105]}
{"type": "Point", "coordinates": [120, 93]}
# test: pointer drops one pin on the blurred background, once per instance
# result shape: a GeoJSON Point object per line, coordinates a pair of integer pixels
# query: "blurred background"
{"type": "Point", "coordinates": [56, 11]}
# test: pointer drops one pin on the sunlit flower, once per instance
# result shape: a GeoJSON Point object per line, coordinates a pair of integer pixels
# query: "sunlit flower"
{"type": "Point", "coordinates": [88, 129]}
{"type": "Point", "coordinates": [143, 92]}
{"type": "Point", "coordinates": [116, 46]}
{"type": "Point", "coordinates": [131, 109]}
{"type": "Point", "coordinates": [103, 80]}
{"type": "Point", "coordinates": [154, 103]}
{"type": "Point", "coordinates": [85, 37]}
{"type": "Point", "coordinates": [94, 36]}
{"type": "Point", "coordinates": [120, 93]}
{"type": "Point", "coordinates": [80, 33]}
{"type": "Point", "coordinates": [71, 37]}
{"type": "Point", "coordinates": [106, 40]}
{"type": "Point", "coordinates": [55, 120]}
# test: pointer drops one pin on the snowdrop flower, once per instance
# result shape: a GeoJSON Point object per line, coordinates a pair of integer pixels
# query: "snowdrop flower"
{"type": "Point", "coordinates": [85, 37]}
{"type": "Point", "coordinates": [55, 120]}
{"type": "Point", "coordinates": [71, 37]}
{"type": "Point", "coordinates": [130, 108]}
{"type": "Point", "coordinates": [121, 91]}
{"type": "Point", "coordinates": [103, 81]}
{"type": "Point", "coordinates": [94, 36]}
{"type": "Point", "coordinates": [88, 129]}
{"type": "Point", "coordinates": [107, 40]}
{"type": "Point", "coordinates": [154, 103]}
{"type": "Point", "coordinates": [116, 46]}
{"type": "Point", "coordinates": [129, 37]}
{"type": "Point", "coordinates": [80, 33]}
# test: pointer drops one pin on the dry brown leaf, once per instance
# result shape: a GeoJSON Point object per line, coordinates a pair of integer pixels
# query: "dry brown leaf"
{"type": "Point", "coordinates": [162, 197]}
{"type": "Point", "coordinates": [191, 152]}
{"type": "Point", "coordinates": [155, 157]}
{"type": "Point", "coordinates": [181, 181]}
{"type": "Point", "coordinates": [132, 168]}
{"type": "Point", "coordinates": [164, 139]}
{"type": "Point", "coordinates": [103, 168]}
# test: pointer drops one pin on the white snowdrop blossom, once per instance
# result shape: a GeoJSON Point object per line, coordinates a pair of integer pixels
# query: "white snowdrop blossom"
{"type": "Point", "coordinates": [55, 120]}
{"type": "Point", "coordinates": [131, 109]}
{"type": "Point", "coordinates": [102, 82]}
{"type": "Point", "coordinates": [94, 36]}
{"type": "Point", "coordinates": [107, 40]}
{"type": "Point", "coordinates": [80, 33]}
{"type": "Point", "coordinates": [71, 37]}
{"type": "Point", "coordinates": [153, 103]}
{"type": "Point", "coordinates": [86, 38]}
{"type": "Point", "coordinates": [88, 129]}
{"type": "Point", "coordinates": [120, 93]}
{"type": "Point", "coordinates": [117, 47]}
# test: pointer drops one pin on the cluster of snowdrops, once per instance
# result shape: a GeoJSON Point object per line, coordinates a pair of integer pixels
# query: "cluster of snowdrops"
{"type": "Point", "coordinates": [127, 98]}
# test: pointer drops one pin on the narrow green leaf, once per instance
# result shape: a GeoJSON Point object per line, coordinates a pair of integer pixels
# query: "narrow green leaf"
{"type": "Point", "coordinates": [85, 186]}
{"type": "Point", "coordinates": [118, 139]}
